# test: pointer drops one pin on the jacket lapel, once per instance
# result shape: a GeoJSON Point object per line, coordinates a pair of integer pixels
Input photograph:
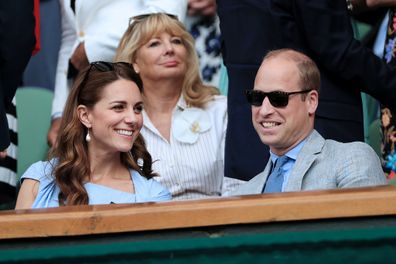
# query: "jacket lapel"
{"type": "Point", "coordinates": [262, 179]}
{"type": "Point", "coordinates": [312, 147]}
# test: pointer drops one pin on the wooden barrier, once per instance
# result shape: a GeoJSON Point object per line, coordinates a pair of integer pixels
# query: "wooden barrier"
{"type": "Point", "coordinates": [106, 219]}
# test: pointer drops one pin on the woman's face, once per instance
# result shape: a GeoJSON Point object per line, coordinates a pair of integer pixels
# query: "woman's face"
{"type": "Point", "coordinates": [116, 119]}
{"type": "Point", "coordinates": [163, 57]}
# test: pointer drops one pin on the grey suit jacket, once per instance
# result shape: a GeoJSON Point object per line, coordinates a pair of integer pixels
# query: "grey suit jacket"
{"type": "Point", "coordinates": [325, 164]}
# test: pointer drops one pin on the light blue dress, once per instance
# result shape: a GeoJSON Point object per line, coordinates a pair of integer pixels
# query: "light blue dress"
{"type": "Point", "coordinates": [146, 190]}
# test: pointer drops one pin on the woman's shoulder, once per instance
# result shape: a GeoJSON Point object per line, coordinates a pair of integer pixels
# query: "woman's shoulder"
{"type": "Point", "coordinates": [151, 188]}
{"type": "Point", "coordinates": [217, 107]}
{"type": "Point", "coordinates": [40, 170]}
{"type": "Point", "coordinates": [219, 100]}
{"type": "Point", "coordinates": [47, 194]}
{"type": "Point", "coordinates": [217, 103]}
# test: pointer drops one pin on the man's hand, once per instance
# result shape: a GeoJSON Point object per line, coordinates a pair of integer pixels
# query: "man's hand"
{"type": "Point", "coordinates": [202, 7]}
{"type": "Point", "coordinates": [377, 3]}
{"type": "Point", "coordinates": [53, 132]}
{"type": "Point", "coordinates": [3, 154]}
{"type": "Point", "coordinates": [79, 58]}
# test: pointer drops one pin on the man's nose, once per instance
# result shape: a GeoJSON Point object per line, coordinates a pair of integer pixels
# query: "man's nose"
{"type": "Point", "coordinates": [266, 107]}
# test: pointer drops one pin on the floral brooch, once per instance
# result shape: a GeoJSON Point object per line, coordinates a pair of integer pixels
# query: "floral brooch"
{"type": "Point", "coordinates": [189, 123]}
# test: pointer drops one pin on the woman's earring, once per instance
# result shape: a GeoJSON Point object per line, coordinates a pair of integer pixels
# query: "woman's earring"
{"type": "Point", "coordinates": [88, 137]}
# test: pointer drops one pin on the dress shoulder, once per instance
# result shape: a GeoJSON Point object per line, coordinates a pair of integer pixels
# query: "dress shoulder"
{"type": "Point", "coordinates": [48, 191]}
{"type": "Point", "coordinates": [149, 189]}
{"type": "Point", "coordinates": [40, 171]}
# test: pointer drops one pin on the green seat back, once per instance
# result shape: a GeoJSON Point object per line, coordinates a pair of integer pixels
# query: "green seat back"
{"type": "Point", "coordinates": [375, 136]}
{"type": "Point", "coordinates": [34, 118]}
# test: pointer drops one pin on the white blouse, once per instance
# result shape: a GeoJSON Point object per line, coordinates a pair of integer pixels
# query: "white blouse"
{"type": "Point", "coordinates": [191, 165]}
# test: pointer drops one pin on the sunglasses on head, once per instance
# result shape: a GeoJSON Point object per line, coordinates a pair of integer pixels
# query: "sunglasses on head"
{"type": "Point", "coordinates": [276, 98]}
{"type": "Point", "coordinates": [103, 66]}
{"type": "Point", "coordinates": [139, 18]}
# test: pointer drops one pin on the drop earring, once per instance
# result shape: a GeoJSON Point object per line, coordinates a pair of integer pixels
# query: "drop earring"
{"type": "Point", "coordinates": [88, 137]}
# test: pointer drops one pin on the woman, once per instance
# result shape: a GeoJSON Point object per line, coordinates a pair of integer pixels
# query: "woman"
{"type": "Point", "coordinates": [184, 120]}
{"type": "Point", "coordinates": [100, 157]}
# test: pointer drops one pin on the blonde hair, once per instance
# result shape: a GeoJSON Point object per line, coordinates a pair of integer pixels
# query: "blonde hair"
{"type": "Point", "coordinates": [143, 29]}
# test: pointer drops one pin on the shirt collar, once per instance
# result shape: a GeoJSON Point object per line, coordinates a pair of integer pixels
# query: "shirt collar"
{"type": "Point", "coordinates": [292, 154]}
{"type": "Point", "coordinates": [181, 104]}
{"type": "Point", "coordinates": [187, 122]}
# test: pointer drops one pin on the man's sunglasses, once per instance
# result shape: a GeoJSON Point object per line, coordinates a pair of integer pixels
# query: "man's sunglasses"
{"type": "Point", "coordinates": [276, 98]}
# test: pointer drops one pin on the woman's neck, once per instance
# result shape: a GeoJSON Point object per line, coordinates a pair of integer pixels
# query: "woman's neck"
{"type": "Point", "coordinates": [161, 97]}
{"type": "Point", "coordinates": [106, 166]}
{"type": "Point", "coordinates": [110, 172]}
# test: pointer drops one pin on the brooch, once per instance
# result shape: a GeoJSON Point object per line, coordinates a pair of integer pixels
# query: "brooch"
{"type": "Point", "coordinates": [189, 123]}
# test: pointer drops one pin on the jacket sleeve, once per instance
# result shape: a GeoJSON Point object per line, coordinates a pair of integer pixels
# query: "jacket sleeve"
{"type": "Point", "coordinates": [68, 40]}
{"type": "Point", "coordinates": [328, 33]}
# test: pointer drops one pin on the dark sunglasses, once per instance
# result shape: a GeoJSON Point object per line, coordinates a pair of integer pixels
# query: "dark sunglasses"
{"type": "Point", "coordinates": [139, 18]}
{"type": "Point", "coordinates": [276, 98]}
{"type": "Point", "coordinates": [103, 66]}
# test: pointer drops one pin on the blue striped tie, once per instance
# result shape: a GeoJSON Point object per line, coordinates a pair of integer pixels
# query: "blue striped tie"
{"type": "Point", "coordinates": [275, 179]}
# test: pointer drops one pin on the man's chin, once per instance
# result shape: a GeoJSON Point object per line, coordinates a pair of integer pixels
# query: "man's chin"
{"type": "Point", "coordinates": [269, 140]}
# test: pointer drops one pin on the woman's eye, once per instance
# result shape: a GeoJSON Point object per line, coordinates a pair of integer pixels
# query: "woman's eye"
{"type": "Point", "coordinates": [138, 109]}
{"type": "Point", "coordinates": [153, 43]}
{"type": "Point", "coordinates": [177, 41]}
{"type": "Point", "coordinates": [118, 107]}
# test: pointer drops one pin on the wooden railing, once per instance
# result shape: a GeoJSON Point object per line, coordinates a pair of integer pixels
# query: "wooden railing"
{"type": "Point", "coordinates": [85, 220]}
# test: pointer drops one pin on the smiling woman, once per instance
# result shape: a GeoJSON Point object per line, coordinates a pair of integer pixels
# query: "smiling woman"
{"type": "Point", "coordinates": [100, 157]}
{"type": "Point", "coordinates": [184, 120]}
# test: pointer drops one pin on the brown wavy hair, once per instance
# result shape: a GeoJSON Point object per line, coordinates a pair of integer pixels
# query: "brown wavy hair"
{"type": "Point", "coordinates": [146, 27]}
{"type": "Point", "coordinates": [73, 167]}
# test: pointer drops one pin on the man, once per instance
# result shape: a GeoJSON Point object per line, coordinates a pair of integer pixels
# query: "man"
{"type": "Point", "coordinates": [284, 101]}
{"type": "Point", "coordinates": [320, 29]}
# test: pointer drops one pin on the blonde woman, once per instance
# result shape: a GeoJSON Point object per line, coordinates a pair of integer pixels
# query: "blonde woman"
{"type": "Point", "coordinates": [184, 120]}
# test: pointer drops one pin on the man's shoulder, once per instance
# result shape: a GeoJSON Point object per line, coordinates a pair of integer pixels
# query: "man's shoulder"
{"type": "Point", "coordinates": [356, 147]}
{"type": "Point", "coordinates": [315, 140]}
{"type": "Point", "coordinates": [253, 186]}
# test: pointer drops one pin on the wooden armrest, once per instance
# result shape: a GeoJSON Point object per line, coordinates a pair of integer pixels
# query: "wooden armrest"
{"type": "Point", "coordinates": [99, 219]}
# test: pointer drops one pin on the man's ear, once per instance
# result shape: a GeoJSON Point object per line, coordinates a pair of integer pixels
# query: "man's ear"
{"type": "Point", "coordinates": [312, 101]}
{"type": "Point", "coordinates": [83, 115]}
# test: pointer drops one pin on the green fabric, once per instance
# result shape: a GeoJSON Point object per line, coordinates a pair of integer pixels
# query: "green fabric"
{"type": "Point", "coordinates": [370, 105]}
{"type": "Point", "coordinates": [393, 181]}
{"type": "Point", "coordinates": [375, 136]}
{"type": "Point", "coordinates": [223, 83]}
{"type": "Point", "coordinates": [34, 118]}
{"type": "Point", "coordinates": [359, 245]}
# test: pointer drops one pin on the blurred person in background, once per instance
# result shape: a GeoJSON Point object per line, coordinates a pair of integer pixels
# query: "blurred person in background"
{"type": "Point", "coordinates": [17, 41]}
